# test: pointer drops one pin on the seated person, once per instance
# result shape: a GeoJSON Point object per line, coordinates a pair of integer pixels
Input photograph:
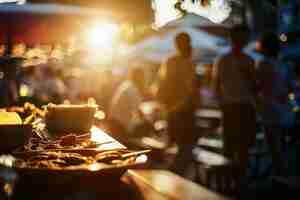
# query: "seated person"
{"type": "Point", "coordinates": [124, 107]}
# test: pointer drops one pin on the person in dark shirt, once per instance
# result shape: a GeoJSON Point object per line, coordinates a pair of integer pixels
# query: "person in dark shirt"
{"type": "Point", "coordinates": [235, 84]}
{"type": "Point", "coordinates": [177, 91]}
{"type": "Point", "coordinates": [278, 84]}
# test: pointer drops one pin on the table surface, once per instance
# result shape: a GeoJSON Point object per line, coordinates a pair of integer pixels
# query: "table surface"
{"type": "Point", "coordinates": [165, 185]}
{"type": "Point", "coordinates": [137, 184]}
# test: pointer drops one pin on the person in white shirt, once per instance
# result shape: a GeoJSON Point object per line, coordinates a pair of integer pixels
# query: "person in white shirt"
{"type": "Point", "coordinates": [127, 99]}
{"type": "Point", "coordinates": [235, 83]}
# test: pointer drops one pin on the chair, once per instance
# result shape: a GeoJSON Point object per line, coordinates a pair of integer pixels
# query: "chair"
{"type": "Point", "coordinates": [208, 156]}
{"type": "Point", "coordinates": [218, 170]}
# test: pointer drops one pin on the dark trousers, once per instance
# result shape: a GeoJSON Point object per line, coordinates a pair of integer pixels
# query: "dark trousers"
{"type": "Point", "coordinates": [239, 122]}
{"type": "Point", "coordinates": [181, 127]}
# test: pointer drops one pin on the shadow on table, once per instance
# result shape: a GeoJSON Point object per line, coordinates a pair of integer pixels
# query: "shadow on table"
{"type": "Point", "coordinates": [91, 189]}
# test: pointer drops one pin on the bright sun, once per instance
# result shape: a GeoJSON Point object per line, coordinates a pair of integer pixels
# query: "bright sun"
{"type": "Point", "coordinates": [102, 35]}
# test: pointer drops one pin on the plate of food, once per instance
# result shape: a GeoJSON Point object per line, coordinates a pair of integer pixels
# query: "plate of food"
{"type": "Point", "coordinates": [61, 158]}
{"type": "Point", "coordinates": [53, 166]}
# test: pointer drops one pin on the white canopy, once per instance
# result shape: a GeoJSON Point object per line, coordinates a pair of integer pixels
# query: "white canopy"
{"type": "Point", "coordinates": [51, 9]}
{"type": "Point", "coordinates": [158, 47]}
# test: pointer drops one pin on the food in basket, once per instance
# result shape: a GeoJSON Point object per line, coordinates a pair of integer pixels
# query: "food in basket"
{"type": "Point", "coordinates": [108, 156]}
{"type": "Point", "coordinates": [52, 160]}
{"type": "Point", "coordinates": [68, 140]}
{"type": "Point", "coordinates": [62, 160]}
{"type": "Point", "coordinates": [74, 159]}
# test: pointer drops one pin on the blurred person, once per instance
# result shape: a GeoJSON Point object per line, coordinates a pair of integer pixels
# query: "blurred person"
{"type": "Point", "coordinates": [2, 50]}
{"type": "Point", "coordinates": [8, 83]}
{"type": "Point", "coordinates": [50, 88]}
{"type": "Point", "coordinates": [36, 53]}
{"type": "Point", "coordinates": [46, 48]}
{"type": "Point", "coordinates": [18, 50]}
{"type": "Point", "coordinates": [56, 64]}
{"type": "Point", "coordinates": [235, 84]}
{"type": "Point", "coordinates": [127, 98]}
{"type": "Point", "coordinates": [29, 78]}
{"type": "Point", "coordinates": [73, 84]}
{"type": "Point", "coordinates": [108, 88]}
{"type": "Point", "coordinates": [88, 85]}
{"type": "Point", "coordinates": [276, 80]}
{"type": "Point", "coordinates": [71, 46]}
{"type": "Point", "coordinates": [293, 132]}
{"type": "Point", "coordinates": [176, 89]}
{"type": "Point", "coordinates": [57, 52]}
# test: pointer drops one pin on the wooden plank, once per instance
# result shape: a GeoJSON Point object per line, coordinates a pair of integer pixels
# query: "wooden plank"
{"type": "Point", "coordinates": [209, 113]}
{"type": "Point", "coordinates": [169, 186]}
{"type": "Point", "coordinates": [210, 158]}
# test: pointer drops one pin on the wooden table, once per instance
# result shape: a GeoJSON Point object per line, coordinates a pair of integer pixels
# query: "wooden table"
{"type": "Point", "coordinates": [134, 185]}
{"type": "Point", "coordinates": [165, 185]}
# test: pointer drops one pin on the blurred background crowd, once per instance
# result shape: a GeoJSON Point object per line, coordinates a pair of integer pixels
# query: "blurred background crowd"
{"type": "Point", "coordinates": [120, 77]}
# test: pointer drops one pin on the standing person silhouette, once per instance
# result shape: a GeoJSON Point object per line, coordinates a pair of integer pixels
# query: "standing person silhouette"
{"type": "Point", "coordinates": [9, 89]}
{"type": "Point", "coordinates": [235, 82]}
{"type": "Point", "coordinates": [177, 91]}
{"type": "Point", "coordinates": [276, 80]}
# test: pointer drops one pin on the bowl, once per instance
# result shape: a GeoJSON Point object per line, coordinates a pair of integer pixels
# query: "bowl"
{"type": "Point", "coordinates": [13, 136]}
{"type": "Point", "coordinates": [61, 119]}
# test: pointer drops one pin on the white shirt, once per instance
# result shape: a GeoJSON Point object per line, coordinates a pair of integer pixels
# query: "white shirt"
{"type": "Point", "coordinates": [125, 103]}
